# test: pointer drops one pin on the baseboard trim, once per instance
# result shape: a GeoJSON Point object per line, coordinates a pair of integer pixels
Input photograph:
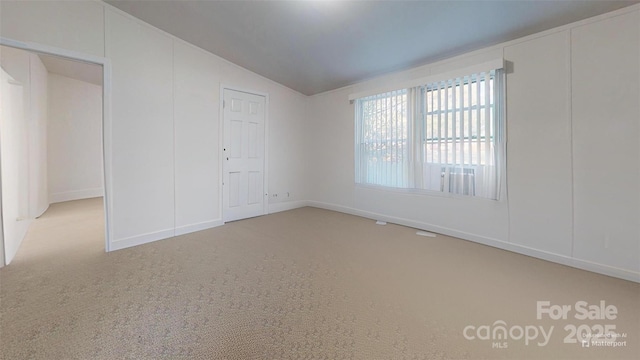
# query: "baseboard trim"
{"type": "Point", "coordinates": [141, 239]}
{"type": "Point", "coordinates": [41, 211]}
{"type": "Point", "coordinates": [10, 250]}
{"type": "Point", "coordinates": [286, 205]}
{"type": "Point", "coordinates": [524, 250]}
{"type": "Point", "coordinates": [186, 229]}
{"type": "Point", "coordinates": [75, 195]}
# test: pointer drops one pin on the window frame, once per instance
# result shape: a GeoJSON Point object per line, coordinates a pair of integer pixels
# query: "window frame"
{"type": "Point", "coordinates": [418, 139]}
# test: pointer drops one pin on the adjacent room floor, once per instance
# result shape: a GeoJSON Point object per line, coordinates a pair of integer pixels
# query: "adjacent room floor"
{"type": "Point", "coordinates": [301, 284]}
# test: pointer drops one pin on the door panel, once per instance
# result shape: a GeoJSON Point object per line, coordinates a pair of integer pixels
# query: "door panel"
{"type": "Point", "coordinates": [253, 140]}
{"type": "Point", "coordinates": [234, 189]}
{"type": "Point", "coordinates": [235, 147]}
{"type": "Point", "coordinates": [254, 193]}
{"type": "Point", "coordinates": [243, 173]}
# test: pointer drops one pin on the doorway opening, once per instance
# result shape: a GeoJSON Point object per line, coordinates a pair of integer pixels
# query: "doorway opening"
{"type": "Point", "coordinates": [52, 152]}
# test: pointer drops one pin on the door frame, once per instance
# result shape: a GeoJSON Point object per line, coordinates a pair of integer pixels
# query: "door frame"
{"type": "Point", "coordinates": [223, 87]}
{"type": "Point", "coordinates": [106, 118]}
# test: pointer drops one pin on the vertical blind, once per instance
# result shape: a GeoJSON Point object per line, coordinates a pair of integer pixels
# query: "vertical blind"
{"type": "Point", "coordinates": [383, 139]}
{"type": "Point", "coordinates": [442, 136]}
{"type": "Point", "coordinates": [460, 139]}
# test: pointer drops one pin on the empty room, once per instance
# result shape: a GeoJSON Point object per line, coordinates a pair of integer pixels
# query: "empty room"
{"type": "Point", "coordinates": [319, 179]}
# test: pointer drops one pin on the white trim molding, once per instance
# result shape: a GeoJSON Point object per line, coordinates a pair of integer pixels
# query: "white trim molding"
{"type": "Point", "coordinates": [141, 239]}
{"type": "Point", "coordinates": [187, 229]}
{"type": "Point", "coordinates": [286, 205]}
{"type": "Point", "coordinates": [75, 195]}
{"type": "Point", "coordinates": [524, 250]}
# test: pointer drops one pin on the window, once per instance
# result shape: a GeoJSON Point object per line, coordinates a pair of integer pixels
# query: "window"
{"type": "Point", "coordinates": [383, 142]}
{"type": "Point", "coordinates": [444, 136]}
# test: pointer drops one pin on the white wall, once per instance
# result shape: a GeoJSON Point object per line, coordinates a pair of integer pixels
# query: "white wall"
{"type": "Point", "coordinates": [14, 150]}
{"type": "Point", "coordinates": [605, 65]}
{"type": "Point", "coordinates": [143, 143]}
{"type": "Point", "coordinates": [74, 139]}
{"type": "Point", "coordinates": [24, 131]}
{"type": "Point", "coordinates": [573, 152]}
{"type": "Point", "coordinates": [166, 132]}
{"type": "Point", "coordinates": [197, 130]}
{"type": "Point", "coordinates": [165, 125]}
{"type": "Point", "coordinates": [16, 65]}
{"type": "Point", "coordinates": [539, 143]}
{"type": "Point", "coordinates": [37, 133]}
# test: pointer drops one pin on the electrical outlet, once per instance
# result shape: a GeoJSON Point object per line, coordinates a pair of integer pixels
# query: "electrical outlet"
{"type": "Point", "coordinates": [275, 195]}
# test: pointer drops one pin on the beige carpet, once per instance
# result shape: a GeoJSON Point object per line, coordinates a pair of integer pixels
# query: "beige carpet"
{"type": "Point", "coordinates": [302, 284]}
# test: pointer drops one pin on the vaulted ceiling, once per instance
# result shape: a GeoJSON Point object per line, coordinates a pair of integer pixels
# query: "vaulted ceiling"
{"type": "Point", "coordinates": [316, 46]}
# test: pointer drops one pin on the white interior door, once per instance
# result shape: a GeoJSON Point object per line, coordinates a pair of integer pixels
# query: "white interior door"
{"type": "Point", "coordinates": [243, 151]}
